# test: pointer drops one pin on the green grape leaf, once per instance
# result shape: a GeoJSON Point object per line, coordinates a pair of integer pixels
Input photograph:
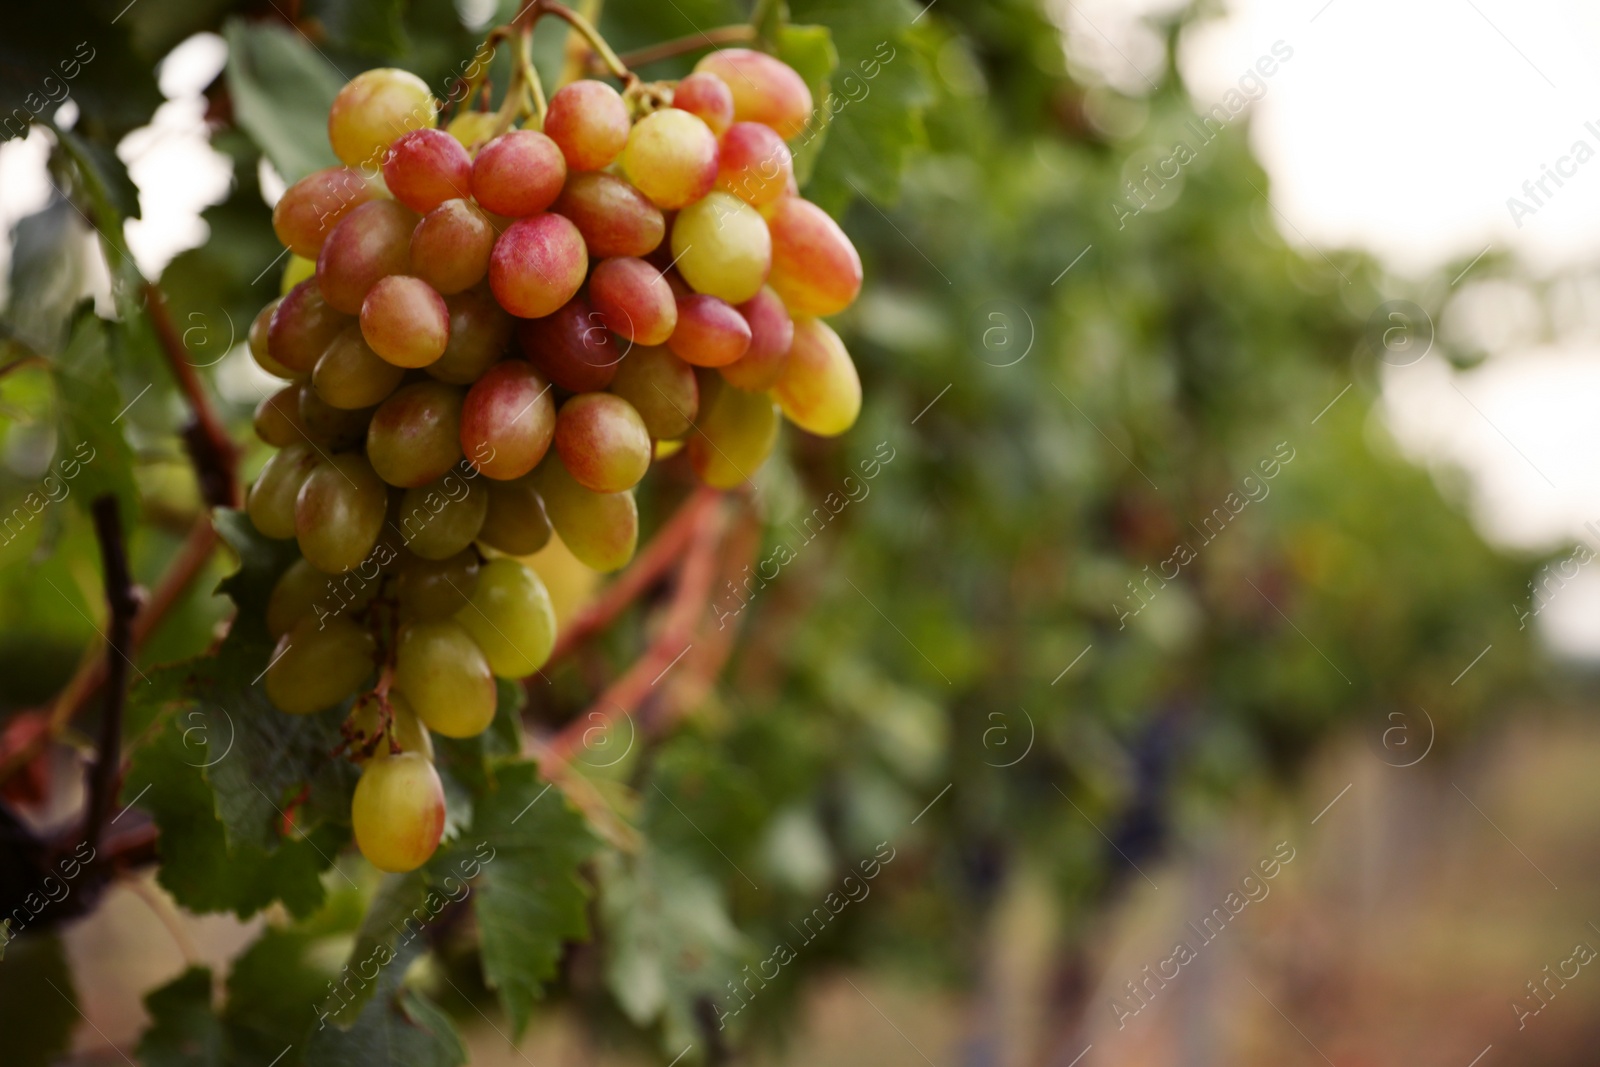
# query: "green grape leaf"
{"type": "Point", "coordinates": [399, 911]}
{"type": "Point", "coordinates": [183, 1030]}
{"type": "Point", "coordinates": [274, 990]}
{"type": "Point", "coordinates": [875, 101]}
{"type": "Point", "coordinates": [524, 847]}
{"type": "Point", "coordinates": [48, 270]}
{"type": "Point", "coordinates": [810, 51]}
{"type": "Point", "coordinates": [282, 90]}
{"type": "Point", "coordinates": [376, 27]}
{"type": "Point", "coordinates": [398, 1027]}
{"type": "Point", "coordinates": [91, 442]}
{"type": "Point", "coordinates": [77, 49]}
{"type": "Point", "coordinates": [39, 1019]}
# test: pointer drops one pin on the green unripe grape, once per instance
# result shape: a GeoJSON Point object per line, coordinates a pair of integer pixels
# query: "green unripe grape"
{"type": "Point", "coordinates": [443, 673]}
{"type": "Point", "coordinates": [373, 109]}
{"type": "Point", "coordinates": [415, 435]}
{"type": "Point", "coordinates": [319, 663]}
{"type": "Point", "coordinates": [351, 376]}
{"type": "Point", "coordinates": [271, 502]}
{"type": "Point", "coordinates": [511, 618]}
{"type": "Point", "coordinates": [303, 590]}
{"type": "Point", "coordinates": [435, 588]}
{"type": "Point", "coordinates": [441, 518]}
{"type": "Point", "coordinates": [405, 731]}
{"type": "Point", "coordinates": [736, 434]}
{"type": "Point", "coordinates": [257, 340]}
{"type": "Point", "coordinates": [333, 428]}
{"type": "Point", "coordinates": [398, 812]}
{"type": "Point", "coordinates": [516, 524]}
{"type": "Point", "coordinates": [722, 247]}
{"type": "Point", "coordinates": [601, 529]}
{"type": "Point", "coordinates": [277, 420]}
{"type": "Point", "coordinates": [339, 512]}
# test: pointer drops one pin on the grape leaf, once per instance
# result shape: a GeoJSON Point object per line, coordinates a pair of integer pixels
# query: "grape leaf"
{"type": "Point", "coordinates": [809, 50]}
{"type": "Point", "coordinates": [72, 50]}
{"type": "Point", "coordinates": [524, 847]}
{"type": "Point", "coordinates": [282, 90]}
{"type": "Point", "coordinates": [39, 1020]}
{"type": "Point", "coordinates": [398, 1027]}
{"type": "Point", "coordinates": [398, 912]}
{"type": "Point", "coordinates": [183, 1030]}
{"type": "Point", "coordinates": [369, 26]}
{"type": "Point", "coordinates": [90, 404]}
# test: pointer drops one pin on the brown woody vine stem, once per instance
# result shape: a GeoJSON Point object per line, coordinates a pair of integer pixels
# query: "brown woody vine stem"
{"type": "Point", "coordinates": [123, 603]}
{"type": "Point", "coordinates": [694, 42]}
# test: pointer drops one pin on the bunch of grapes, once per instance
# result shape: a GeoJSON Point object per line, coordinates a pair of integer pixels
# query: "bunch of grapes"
{"type": "Point", "coordinates": [494, 332]}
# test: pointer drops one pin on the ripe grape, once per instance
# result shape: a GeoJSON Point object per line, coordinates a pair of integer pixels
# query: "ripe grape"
{"type": "Point", "coordinates": [404, 734]}
{"type": "Point", "coordinates": [330, 426]}
{"type": "Point", "coordinates": [771, 334]}
{"type": "Point", "coordinates": [445, 677]}
{"type": "Point", "coordinates": [371, 243]}
{"type": "Point", "coordinates": [572, 347]}
{"type": "Point", "coordinates": [736, 434]}
{"type": "Point", "coordinates": [374, 108]}
{"type": "Point", "coordinates": [415, 435]}
{"type": "Point", "coordinates": [351, 376]}
{"type": "Point", "coordinates": [765, 90]}
{"type": "Point", "coordinates": [516, 524]}
{"type": "Point", "coordinates": [815, 268]}
{"type": "Point", "coordinates": [707, 96]}
{"type": "Point", "coordinates": [424, 168]}
{"type": "Point", "coordinates": [753, 163]}
{"type": "Point", "coordinates": [339, 512]}
{"type": "Point", "coordinates": [480, 331]}
{"type": "Point", "coordinates": [257, 341]}
{"type": "Point", "coordinates": [270, 504]}
{"type": "Point", "coordinates": [507, 420]}
{"type": "Point", "coordinates": [442, 518]}
{"type": "Point", "coordinates": [303, 590]}
{"type": "Point", "coordinates": [589, 122]}
{"type": "Point", "coordinates": [710, 333]}
{"type": "Point", "coordinates": [511, 618]}
{"type": "Point", "coordinates": [450, 247]}
{"type": "Point", "coordinates": [302, 326]}
{"type": "Point", "coordinates": [318, 663]}
{"type": "Point", "coordinates": [473, 129]}
{"type": "Point", "coordinates": [600, 529]}
{"type": "Point", "coordinates": [602, 442]}
{"type": "Point", "coordinates": [277, 420]}
{"type": "Point", "coordinates": [538, 265]}
{"type": "Point", "coordinates": [310, 208]}
{"type": "Point", "coordinates": [819, 391]}
{"type": "Point", "coordinates": [671, 157]}
{"type": "Point", "coordinates": [397, 812]}
{"type": "Point", "coordinates": [634, 300]}
{"type": "Point", "coordinates": [405, 321]}
{"type": "Point", "coordinates": [517, 174]}
{"type": "Point", "coordinates": [662, 389]}
{"type": "Point", "coordinates": [614, 218]}
{"type": "Point", "coordinates": [722, 247]}
{"type": "Point", "coordinates": [435, 588]}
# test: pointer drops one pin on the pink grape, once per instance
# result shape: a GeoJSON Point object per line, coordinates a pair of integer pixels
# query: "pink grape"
{"type": "Point", "coordinates": [671, 157]}
{"type": "Point", "coordinates": [424, 168]}
{"type": "Point", "coordinates": [707, 96]}
{"type": "Point", "coordinates": [405, 321]}
{"type": "Point", "coordinates": [302, 327]}
{"type": "Point", "coordinates": [415, 435]}
{"type": "Point", "coordinates": [819, 390]}
{"type": "Point", "coordinates": [815, 268]}
{"type": "Point", "coordinates": [710, 332]}
{"type": "Point", "coordinates": [615, 218]}
{"type": "Point", "coordinates": [589, 122]}
{"type": "Point", "coordinates": [450, 247]}
{"type": "Point", "coordinates": [519, 173]}
{"type": "Point", "coordinates": [765, 90]}
{"type": "Point", "coordinates": [602, 442]}
{"type": "Point", "coordinates": [662, 389]}
{"type": "Point", "coordinates": [634, 299]}
{"type": "Point", "coordinates": [310, 208]}
{"type": "Point", "coordinates": [771, 335]}
{"type": "Point", "coordinates": [753, 163]}
{"type": "Point", "coordinates": [572, 347]}
{"type": "Point", "coordinates": [372, 242]}
{"type": "Point", "coordinates": [538, 265]}
{"type": "Point", "coordinates": [508, 420]}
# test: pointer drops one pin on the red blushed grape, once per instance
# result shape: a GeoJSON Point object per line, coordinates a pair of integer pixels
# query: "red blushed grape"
{"type": "Point", "coordinates": [351, 376]}
{"type": "Point", "coordinates": [374, 108]}
{"type": "Point", "coordinates": [277, 420]}
{"type": "Point", "coordinates": [310, 208]}
{"type": "Point", "coordinates": [327, 425]}
{"type": "Point", "coordinates": [771, 334]}
{"type": "Point", "coordinates": [538, 265]}
{"type": "Point", "coordinates": [405, 321]}
{"type": "Point", "coordinates": [302, 327]}
{"type": "Point", "coordinates": [710, 333]}
{"type": "Point", "coordinates": [270, 504]}
{"type": "Point", "coordinates": [671, 157]}
{"type": "Point", "coordinates": [602, 442]}
{"type": "Point", "coordinates": [707, 96]}
{"type": "Point", "coordinates": [615, 218]}
{"type": "Point", "coordinates": [338, 513]}
{"type": "Point", "coordinates": [519, 173]}
{"type": "Point", "coordinates": [424, 168]}
{"type": "Point", "coordinates": [600, 529]}
{"type": "Point", "coordinates": [450, 247]}
{"type": "Point", "coordinates": [722, 247]}
{"type": "Point", "coordinates": [260, 344]}
{"type": "Point", "coordinates": [589, 123]}
{"type": "Point", "coordinates": [572, 347]}
{"type": "Point", "coordinates": [398, 811]}
{"type": "Point", "coordinates": [815, 268]}
{"type": "Point", "coordinates": [480, 331]}
{"type": "Point", "coordinates": [507, 420]}
{"type": "Point", "coordinates": [372, 242]}
{"type": "Point", "coordinates": [516, 524]}
{"type": "Point", "coordinates": [765, 90]}
{"type": "Point", "coordinates": [753, 163]}
{"type": "Point", "coordinates": [736, 434]}
{"type": "Point", "coordinates": [819, 391]}
{"type": "Point", "coordinates": [662, 389]}
{"type": "Point", "coordinates": [634, 300]}
{"type": "Point", "coordinates": [415, 435]}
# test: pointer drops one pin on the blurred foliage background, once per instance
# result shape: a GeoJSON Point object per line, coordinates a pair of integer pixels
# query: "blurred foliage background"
{"type": "Point", "coordinates": [993, 663]}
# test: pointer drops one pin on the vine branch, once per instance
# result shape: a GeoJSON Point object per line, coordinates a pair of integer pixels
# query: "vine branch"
{"type": "Point", "coordinates": [694, 42]}
{"type": "Point", "coordinates": [123, 602]}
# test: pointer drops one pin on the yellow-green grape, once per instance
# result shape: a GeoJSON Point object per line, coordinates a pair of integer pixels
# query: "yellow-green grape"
{"type": "Point", "coordinates": [671, 157]}
{"type": "Point", "coordinates": [441, 518]}
{"type": "Point", "coordinates": [473, 129]}
{"type": "Point", "coordinates": [516, 524]}
{"type": "Point", "coordinates": [398, 812]}
{"type": "Point", "coordinates": [350, 375]}
{"type": "Point", "coordinates": [405, 732]}
{"type": "Point", "coordinates": [277, 420]}
{"type": "Point", "coordinates": [819, 389]}
{"type": "Point", "coordinates": [303, 590]}
{"type": "Point", "coordinates": [600, 529]}
{"type": "Point", "coordinates": [511, 618]}
{"type": "Point", "coordinates": [271, 503]}
{"type": "Point", "coordinates": [339, 512]}
{"type": "Point", "coordinates": [736, 434]}
{"type": "Point", "coordinates": [443, 673]}
{"type": "Point", "coordinates": [435, 588]}
{"type": "Point", "coordinates": [318, 663]}
{"type": "Point", "coordinates": [374, 108]}
{"type": "Point", "coordinates": [297, 270]}
{"type": "Point", "coordinates": [722, 247]}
